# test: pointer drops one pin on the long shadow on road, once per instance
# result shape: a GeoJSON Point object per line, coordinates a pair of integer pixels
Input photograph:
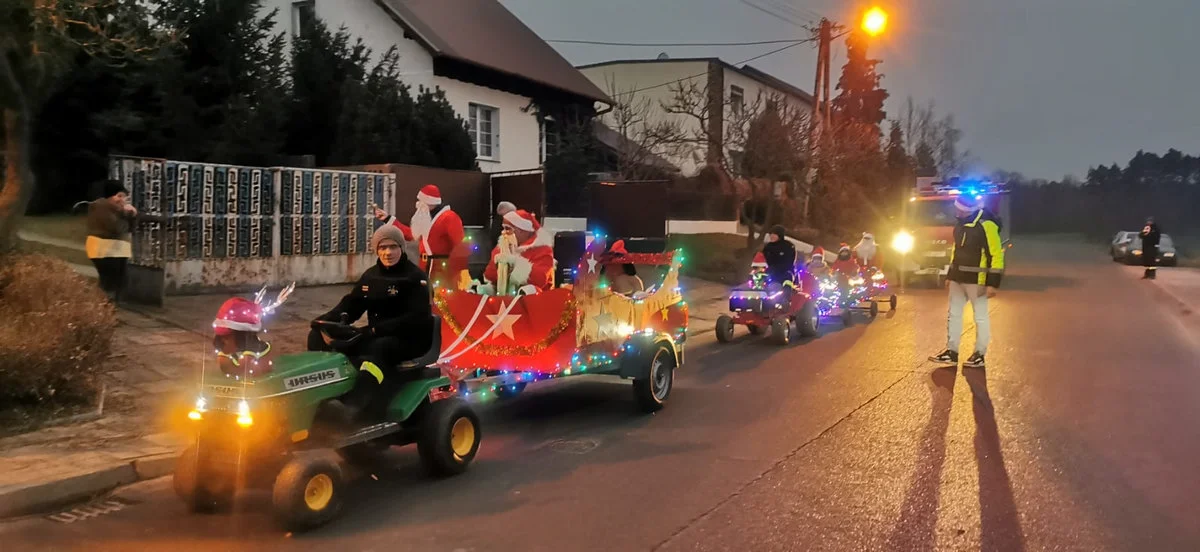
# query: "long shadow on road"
{"type": "Point", "coordinates": [917, 527]}
{"type": "Point", "coordinates": [1000, 524]}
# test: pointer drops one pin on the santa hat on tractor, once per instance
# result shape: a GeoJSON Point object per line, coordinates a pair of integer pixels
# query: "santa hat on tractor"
{"type": "Point", "coordinates": [243, 315]}
{"type": "Point", "coordinates": [843, 247]}
{"type": "Point", "coordinates": [760, 261]}
{"type": "Point", "coordinates": [430, 195]}
{"type": "Point", "coordinates": [818, 252]}
{"type": "Point", "coordinates": [522, 220]}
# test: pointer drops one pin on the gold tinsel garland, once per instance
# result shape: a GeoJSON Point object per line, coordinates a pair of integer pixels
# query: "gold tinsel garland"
{"type": "Point", "coordinates": [564, 321]}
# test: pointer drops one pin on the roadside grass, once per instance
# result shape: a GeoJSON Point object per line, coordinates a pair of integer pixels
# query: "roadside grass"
{"type": "Point", "coordinates": [721, 258]}
{"type": "Point", "coordinates": [61, 227]}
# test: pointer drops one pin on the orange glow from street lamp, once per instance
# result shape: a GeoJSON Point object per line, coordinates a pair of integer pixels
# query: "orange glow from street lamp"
{"type": "Point", "coordinates": [874, 21]}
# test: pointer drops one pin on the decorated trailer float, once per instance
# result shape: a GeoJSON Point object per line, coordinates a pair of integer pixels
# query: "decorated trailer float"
{"type": "Point", "coordinates": [496, 345]}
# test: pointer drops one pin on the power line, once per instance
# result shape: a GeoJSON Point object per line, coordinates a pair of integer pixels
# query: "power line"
{"type": "Point", "coordinates": [658, 44]}
{"type": "Point", "coordinates": [690, 77]}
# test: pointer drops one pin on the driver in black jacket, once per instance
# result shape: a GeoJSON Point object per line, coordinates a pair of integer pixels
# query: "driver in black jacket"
{"type": "Point", "coordinates": [394, 294]}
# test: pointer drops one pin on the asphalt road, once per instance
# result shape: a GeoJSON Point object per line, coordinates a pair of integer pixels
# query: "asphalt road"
{"type": "Point", "coordinates": [1082, 434]}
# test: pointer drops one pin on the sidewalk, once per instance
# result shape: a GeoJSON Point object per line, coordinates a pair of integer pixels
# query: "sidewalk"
{"type": "Point", "coordinates": [161, 352]}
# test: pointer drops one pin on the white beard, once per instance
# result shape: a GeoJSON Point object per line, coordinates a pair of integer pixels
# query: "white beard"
{"type": "Point", "coordinates": [421, 221]}
{"type": "Point", "coordinates": [865, 249]}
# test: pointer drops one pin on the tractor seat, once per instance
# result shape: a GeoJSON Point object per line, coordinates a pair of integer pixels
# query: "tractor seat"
{"type": "Point", "coordinates": [426, 363]}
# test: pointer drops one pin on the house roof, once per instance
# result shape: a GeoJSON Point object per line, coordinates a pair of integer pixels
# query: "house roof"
{"type": "Point", "coordinates": [617, 142]}
{"type": "Point", "coordinates": [747, 70]}
{"type": "Point", "coordinates": [485, 34]}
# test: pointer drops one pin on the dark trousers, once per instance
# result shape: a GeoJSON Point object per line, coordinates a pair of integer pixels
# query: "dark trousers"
{"type": "Point", "coordinates": [1150, 262]}
{"type": "Point", "coordinates": [112, 275]}
{"type": "Point", "coordinates": [386, 353]}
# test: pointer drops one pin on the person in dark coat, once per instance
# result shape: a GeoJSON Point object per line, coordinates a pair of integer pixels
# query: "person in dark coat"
{"type": "Point", "coordinates": [394, 294]}
{"type": "Point", "coordinates": [1150, 238]}
{"type": "Point", "coordinates": [109, 244]}
{"type": "Point", "coordinates": [780, 255]}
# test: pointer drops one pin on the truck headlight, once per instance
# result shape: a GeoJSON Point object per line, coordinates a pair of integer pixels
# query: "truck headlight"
{"type": "Point", "coordinates": [903, 242]}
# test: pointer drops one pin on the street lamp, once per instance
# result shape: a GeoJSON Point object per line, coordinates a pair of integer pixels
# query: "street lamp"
{"type": "Point", "coordinates": [874, 21]}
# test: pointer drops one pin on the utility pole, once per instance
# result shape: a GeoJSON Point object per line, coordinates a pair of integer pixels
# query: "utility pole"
{"type": "Point", "coordinates": [821, 110]}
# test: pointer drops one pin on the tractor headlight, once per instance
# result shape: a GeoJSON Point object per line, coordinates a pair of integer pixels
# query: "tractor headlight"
{"type": "Point", "coordinates": [856, 281]}
{"type": "Point", "coordinates": [877, 276]}
{"type": "Point", "coordinates": [903, 242]}
{"type": "Point", "coordinates": [197, 412]}
{"type": "Point", "coordinates": [244, 418]}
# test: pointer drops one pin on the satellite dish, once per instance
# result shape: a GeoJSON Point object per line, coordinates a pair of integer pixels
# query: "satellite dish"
{"type": "Point", "coordinates": [663, 56]}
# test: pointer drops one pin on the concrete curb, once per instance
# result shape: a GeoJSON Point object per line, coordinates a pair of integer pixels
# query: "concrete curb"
{"type": "Point", "coordinates": [45, 496]}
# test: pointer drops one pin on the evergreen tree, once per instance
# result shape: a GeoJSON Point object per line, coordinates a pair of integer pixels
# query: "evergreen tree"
{"type": "Point", "coordinates": [924, 163]}
{"type": "Point", "coordinates": [226, 84]}
{"type": "Point", "coordinates": [860, 98]}
{"type": "Point", "coordinates": [322, 64]}
{"type": "Point", "coordinates": [444, 139]}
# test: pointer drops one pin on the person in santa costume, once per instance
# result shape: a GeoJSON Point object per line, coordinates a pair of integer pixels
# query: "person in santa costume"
{"type": "Point", "coordinates": [531, 261]}
{"type": "Point", "coordinates": [845, 263]}
{"type": "Point", "coordinates": [866, 252]}
{"type": "Point", "coordinates": [438, 231]}
{"type": "Point", "coordinates": [817, 265]}
{"type": "Point", "coordinates": [622, 274]}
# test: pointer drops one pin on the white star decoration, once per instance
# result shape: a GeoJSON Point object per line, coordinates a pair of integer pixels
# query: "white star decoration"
{"type": "Point", "coordinates": [605, 324]}
{"type": "Point", "coordinates": [506, 324]}
{"type": "Point", "coordinates": [591, 262]}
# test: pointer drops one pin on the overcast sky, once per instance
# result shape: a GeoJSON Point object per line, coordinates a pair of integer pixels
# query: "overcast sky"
{"type": "Point", "coordinates": [1044, 87]}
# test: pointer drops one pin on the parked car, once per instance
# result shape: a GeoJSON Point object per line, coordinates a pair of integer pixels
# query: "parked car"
{"type": "Point", "coordinates": [1119, 248]}
{"type": "Point", "coordinates": [1166, 251]}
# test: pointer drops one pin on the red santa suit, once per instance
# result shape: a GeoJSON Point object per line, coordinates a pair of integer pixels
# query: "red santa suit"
{"type": "Point", "coordinates": [439, 233]}
{"type": "Point", "coordinates": [848, 267]}
{"type": "Point", "coordinates": [533, 263]}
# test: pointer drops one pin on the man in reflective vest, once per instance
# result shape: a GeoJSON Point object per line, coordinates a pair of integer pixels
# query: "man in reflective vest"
{"type": "Point", "coordinates": [976, 267]}
{"type": "Point", "coordinates": [439, 233]}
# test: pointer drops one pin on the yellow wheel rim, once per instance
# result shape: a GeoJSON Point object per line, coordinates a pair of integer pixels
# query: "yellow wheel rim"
{"type": "Point", "coordinates": [462, 438]}
{"type": "Point", "coordinates": [319, 492]}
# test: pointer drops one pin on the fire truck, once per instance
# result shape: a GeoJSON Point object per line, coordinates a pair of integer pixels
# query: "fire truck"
{"type": "Point", "coordinates": [926, 238]}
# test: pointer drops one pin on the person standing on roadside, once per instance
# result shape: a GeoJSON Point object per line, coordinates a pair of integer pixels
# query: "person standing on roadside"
{"type": "Point", "coordinates": [1150, 238]}
{"type": "Point", "coordinates": [976, 267]}
{"type": "Point", "coordinates": [110, 240]}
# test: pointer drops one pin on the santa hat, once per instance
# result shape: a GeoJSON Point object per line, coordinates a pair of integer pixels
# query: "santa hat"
{"type": "Point", "coordinates": [843, 247]}
{"type": "Point", "coordinates": [240, 315]}
{"type": "Point", "coordinates": [966, 203]}
{"type": "Point", "coordinates": [818, 251]}
{"type": "Point", "coordinates": [618, 249]}
{"type": "Point", "coordinates": [430, 195]}
{"type": "Point", "coordinates": [760, 261]}
{"type": "Point", "coordinates": [522, 220]}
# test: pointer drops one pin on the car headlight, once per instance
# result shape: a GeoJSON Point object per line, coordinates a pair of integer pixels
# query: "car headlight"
{"type": "Point", "coordinates": [1137, 251]}
{"type": "Point", "coordinates": [903, 242]}
{"type": "Point", "coordinates": [1169, 254]}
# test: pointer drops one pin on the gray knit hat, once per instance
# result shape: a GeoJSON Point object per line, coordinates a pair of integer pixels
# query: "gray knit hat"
{"type": "Point", "coordinates": [387, 232]}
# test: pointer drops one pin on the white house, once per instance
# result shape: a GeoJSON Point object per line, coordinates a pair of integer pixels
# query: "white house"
{"type": "Point", "coordinates": [653, 80]}
{"type": "Point", "coordinates": [489, 63]}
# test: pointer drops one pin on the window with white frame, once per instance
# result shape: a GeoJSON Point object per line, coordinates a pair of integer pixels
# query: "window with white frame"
{"type": "Point", "coordinates": [547, 139]}
{"type": "Point", "coordinates": [304, 13]}
{"type": "Point", "coordinates": [484, 127]}
{"type": "Point", "coordinates": [737, 99]}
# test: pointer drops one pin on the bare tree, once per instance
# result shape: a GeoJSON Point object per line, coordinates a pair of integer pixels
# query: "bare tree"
{"type": "Point", "coordinates": [760, 143]}
{"type": "Point", "coordinates": [645, 142]}
{"type": "Point", "coordinates": [39, 40]}
{"type": "Point", "coordinates": [923, 129]}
